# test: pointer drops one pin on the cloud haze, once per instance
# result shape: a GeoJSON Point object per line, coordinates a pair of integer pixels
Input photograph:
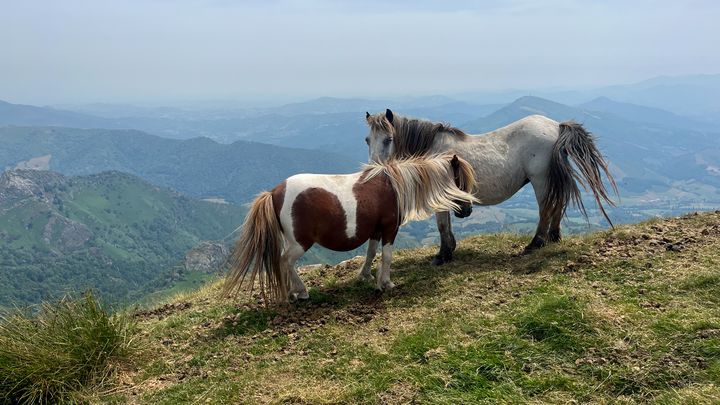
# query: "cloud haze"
{"type": "Point", "coordinates": [154, 51]}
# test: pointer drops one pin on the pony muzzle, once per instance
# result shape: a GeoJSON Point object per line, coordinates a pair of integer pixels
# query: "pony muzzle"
{"type": "Point", "coordinates": [465, 209]}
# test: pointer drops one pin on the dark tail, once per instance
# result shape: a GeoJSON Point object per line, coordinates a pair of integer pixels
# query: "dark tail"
{"type": "Point", "coordinates": [258, 251]}
{"type": "Point", "coordinates": [577, 143]}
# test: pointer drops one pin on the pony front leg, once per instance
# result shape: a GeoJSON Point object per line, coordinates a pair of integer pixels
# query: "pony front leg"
{"type": "Point", "coordinates": [383, 276]}
{"type": "Point", "coordinates": [447, 239]}
{"type": "Point", "coordinates": [365, 274]}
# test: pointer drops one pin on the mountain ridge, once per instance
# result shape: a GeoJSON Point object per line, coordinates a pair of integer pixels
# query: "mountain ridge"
{"type": "Point", "coordinates": [198, 167]}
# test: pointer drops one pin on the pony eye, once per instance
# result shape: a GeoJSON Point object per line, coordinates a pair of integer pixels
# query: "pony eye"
{"type": "Point", "coordinates": [387, 141]}
{"type": "Point", "coordinates": [367, 140]}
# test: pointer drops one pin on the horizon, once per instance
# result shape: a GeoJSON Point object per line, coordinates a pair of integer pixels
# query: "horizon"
{"type": "Point", "coordinates": [159, 52]}
{"type": "Point", "coordinates": [509, 95]}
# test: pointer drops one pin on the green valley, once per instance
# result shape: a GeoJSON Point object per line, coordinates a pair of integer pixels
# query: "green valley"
{"type": "Point", "coordinates": [111, 232]}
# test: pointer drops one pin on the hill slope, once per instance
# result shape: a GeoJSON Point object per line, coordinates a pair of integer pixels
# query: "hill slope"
{"type": "Point", "coordinates": [630, 315]}
{"type": "Point", "coordinates": [640, 113]}
{"type": "Point", "coordinates": [110, 231]}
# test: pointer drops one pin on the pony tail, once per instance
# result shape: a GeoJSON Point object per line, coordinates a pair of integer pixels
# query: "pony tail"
{"type": "Point", "coordinates": [577, 143]}
{"type": "Point", "coordinates": [258, 251]}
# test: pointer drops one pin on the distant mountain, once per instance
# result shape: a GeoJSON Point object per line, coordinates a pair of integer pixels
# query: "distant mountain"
{"type": "Point", "coordinates": [691, 95]}
{"type": "Point", "coordinates": [328, 123]}
{"type": "Point", "coordinates": [328, 105]}
{"type": "Point", "coordinates": [118, 111]}
{"type": "Point", "coordinates": [640, 152]}
{"type": "Point", "coordinates": [110, 231]}
{"type": "Point", "coordinates": [687, 95]}
{"type": "Point", "coordinates": [522, 107]}
{"type": "Point", "coordinates": [19, 114]}
{"type": "Point", "coordinates": [338, 133]}
{"type": "Point", "coordinates": [335, 130]}
{"type": "Point", "coordinates": [640, 113]}
{"type": "Point", "coordinates": [198, 167]}
{"type": "Point", "coordinates": [455, 112]}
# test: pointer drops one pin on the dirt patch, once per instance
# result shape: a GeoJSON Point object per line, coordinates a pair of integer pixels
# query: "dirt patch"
{"type": "Point", "coordinates": [399, 393]}
{"type": "Point", "coordinates": [669, 235]}
{"type": "Point", "coordinates": [302, 318]}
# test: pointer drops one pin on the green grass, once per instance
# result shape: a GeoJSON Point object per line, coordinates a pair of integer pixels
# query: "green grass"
{"type": "Point", "coordinates": [611, 317]}
{"type": "Point", "coordinates": [557, 320]}
{"type": "Point", "coordinates": [60, 352]}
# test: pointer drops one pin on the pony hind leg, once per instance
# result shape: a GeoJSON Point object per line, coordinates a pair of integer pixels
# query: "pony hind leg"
{"type": "Point", "coordinates": [383, 276]}
{"type": "Point", "coordinates": [554, 232]}
{"type": "Point", "coordinates": [297, 291]}
{"type": "Point", "coordinates": [365, 274]}
{"type": "Point", "coordinates": [541, 233]}
{"type": "Point", "coordinates": [447, 239]}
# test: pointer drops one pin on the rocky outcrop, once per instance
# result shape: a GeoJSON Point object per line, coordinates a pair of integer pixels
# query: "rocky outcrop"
{"type": "Point", "coordinates": [17, 185]}
{"type": "Point", "coordinates": [207, 257]}
{"type": "Point", "coordinates": [65, 233]}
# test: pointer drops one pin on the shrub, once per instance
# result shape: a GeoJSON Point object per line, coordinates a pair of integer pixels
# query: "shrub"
{"type": "Point", "coordinates": [50, 353]}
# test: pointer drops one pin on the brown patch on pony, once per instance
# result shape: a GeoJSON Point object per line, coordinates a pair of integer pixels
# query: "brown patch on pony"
{"type": "Point", "coordinates": [258, 251]}
{"type": "Point", "coordinates": [411, 137]}
{"type": "Point", "coordinates": [318, 216]}
{"type": "Point", "coordinates": [376, 196]}
{"type": "Point", "coordinates": [577, 143]}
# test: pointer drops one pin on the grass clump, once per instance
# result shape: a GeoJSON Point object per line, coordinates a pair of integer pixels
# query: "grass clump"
{"type": "Point", "coordinates": [558, 320]}
{"type": "Point", "coordinates": [54, 352]}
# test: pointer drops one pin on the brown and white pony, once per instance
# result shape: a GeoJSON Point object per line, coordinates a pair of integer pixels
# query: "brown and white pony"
{"type": "Point", "coordinates": [341, 212]}
{"type": "Point", "coordinates": [533, 150]}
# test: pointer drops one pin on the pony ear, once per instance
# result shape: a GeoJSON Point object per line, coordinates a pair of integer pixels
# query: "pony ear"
{"type": "Point", "coordinates": [389, 115]}
{"type": "Point", "coordinates": [455, 162]}
{"type": "Point", "coordinates": [367, 115]}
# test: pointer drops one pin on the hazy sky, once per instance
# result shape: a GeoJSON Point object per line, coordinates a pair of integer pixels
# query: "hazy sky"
{"type": "Point", "coordinates": [75, 51]}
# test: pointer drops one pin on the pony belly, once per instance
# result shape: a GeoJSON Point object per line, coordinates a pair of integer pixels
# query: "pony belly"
{"type": "Point", "coordinates": [340, 245]}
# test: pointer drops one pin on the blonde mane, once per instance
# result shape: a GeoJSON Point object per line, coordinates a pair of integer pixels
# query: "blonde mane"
{"type": "Point", "coordinates": [425, 185]}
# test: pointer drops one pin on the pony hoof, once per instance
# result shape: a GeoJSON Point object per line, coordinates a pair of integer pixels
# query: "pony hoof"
{"type": "Point", "coordinates": [439, 260]}
{"type": "Point", "coordinates": [386, 286]}
{"type": "Point", "coordinates": [296, 296]}
{"type": "Point", "coordinates": [366, 277]}
{"type": "Point", "coordinates": [528, 250]}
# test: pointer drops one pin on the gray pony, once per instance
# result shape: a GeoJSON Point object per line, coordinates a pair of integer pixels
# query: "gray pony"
{"type": "Point", "coordinates": [534, 150]}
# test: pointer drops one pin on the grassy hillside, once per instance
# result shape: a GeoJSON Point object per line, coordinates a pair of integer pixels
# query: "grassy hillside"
{"type": "Point", "coordinates": [111, 231]}
{"type": "Point", "coordinates": [625, 316]}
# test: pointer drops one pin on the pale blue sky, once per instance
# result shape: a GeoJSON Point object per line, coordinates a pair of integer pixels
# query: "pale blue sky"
{"type": "Point", "coordinates": [76, 51]}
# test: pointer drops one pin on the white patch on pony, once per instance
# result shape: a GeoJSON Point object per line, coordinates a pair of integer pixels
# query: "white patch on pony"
{"type": "Point", "coordinates": [341, 186]}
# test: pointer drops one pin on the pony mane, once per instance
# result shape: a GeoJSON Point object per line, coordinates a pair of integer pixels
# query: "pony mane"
{"type": "Point", "coordinates": [412, 136]}
{"type": "Point", "coordinates": [424, 185]}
